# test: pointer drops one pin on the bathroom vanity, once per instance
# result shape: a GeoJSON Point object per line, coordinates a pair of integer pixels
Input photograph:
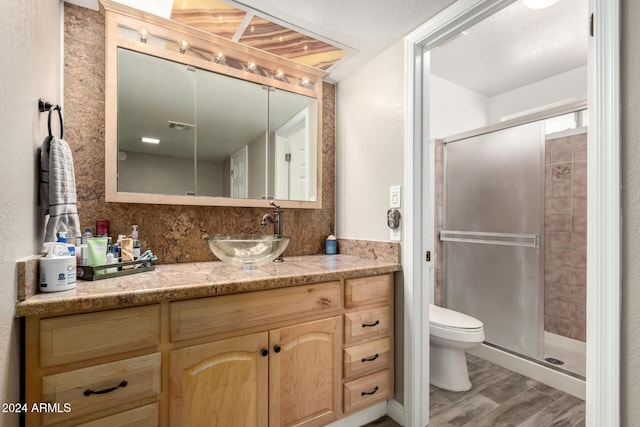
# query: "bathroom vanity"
{"type": "Point", "coordinates": [304, 342]}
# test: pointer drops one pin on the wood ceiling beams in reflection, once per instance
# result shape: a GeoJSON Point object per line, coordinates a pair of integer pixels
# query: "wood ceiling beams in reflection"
{"type": "Point", "coordinates": [234, 24]}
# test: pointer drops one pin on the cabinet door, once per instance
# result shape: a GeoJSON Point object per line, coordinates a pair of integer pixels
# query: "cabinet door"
{"type": "Point", "coordinates": [223, 383]}
{"type": "Point", "coordinates": [304, 375]}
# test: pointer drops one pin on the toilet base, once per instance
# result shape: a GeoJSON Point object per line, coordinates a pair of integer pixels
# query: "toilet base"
{"type": "Point", "coordinates": [448, 369]}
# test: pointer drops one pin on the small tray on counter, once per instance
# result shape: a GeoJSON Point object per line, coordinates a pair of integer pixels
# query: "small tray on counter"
{"type": "Point", "coordinates": [87, 272]}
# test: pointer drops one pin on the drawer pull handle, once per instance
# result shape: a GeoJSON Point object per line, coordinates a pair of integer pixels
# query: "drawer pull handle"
{"type": "Point", "coordinates": [89, 392]}
{"type": "Point", "coordinates": [376, 323]}
{"type": "Point", "coordinates": [370, 359]}
{"type": "Point", "coordinates": [369, 392]}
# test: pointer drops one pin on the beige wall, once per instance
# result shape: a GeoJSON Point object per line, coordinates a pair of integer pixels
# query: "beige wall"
{"type": "Point", "coordinates": [370, 147]}
{"type": "Point", "coordinates": [630, 135]}
{"type": "Point", "coordinates": [30, 58]}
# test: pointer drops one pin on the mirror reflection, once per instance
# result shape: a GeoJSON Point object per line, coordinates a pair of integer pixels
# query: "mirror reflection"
{"type": "Point", "coordinates": [191, 132]}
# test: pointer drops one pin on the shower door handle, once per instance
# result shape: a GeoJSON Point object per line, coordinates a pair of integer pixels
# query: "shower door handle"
{"type": "Point", "coordinates": [491, 238]}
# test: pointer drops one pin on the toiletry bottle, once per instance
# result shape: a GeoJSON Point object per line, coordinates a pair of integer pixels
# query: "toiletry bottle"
{"type": "Point", "coordinates": [102, 227]}
{"type": "Point", "coordinates": [111, 260]}
{"type": "Point", "coordinates": [57, 269]}
{"type": "Point", "coordinates": [79, 271]}
{"type": "Point", "coordinates": [331, 245]}
{"type": "Point", "coordinates": [62, 238]}
{"type": "Point", "coordinates": [84, 252]}
{"type": "Point", "coordinates": [114, 254]}
{"type": "Point", "coordinates": [136, 242]}
{"type": "Point", "coordinates": [97, 248]}
{"type": "Point", "coordinates": [87, 233]}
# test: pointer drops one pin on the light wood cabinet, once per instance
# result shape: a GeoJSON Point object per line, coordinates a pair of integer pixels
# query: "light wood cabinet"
{"type": "Point", "coordinates": [368, 341]}
{"type": "Point", "coordinates": [221, 384]}
{"type": "Point", "coordinates": [237, 312]}
{"type": "Point", "coordinates": [284, 377]}
{"type": "Point", "coordinates": [304, 374]}
{"type": "Point", "coordinates": [148, 415]}
{"type": "Point", "coordinates": [94, 335]}
{"type": "Point", "coordinates": [101, 368]}
{"type": "Point", "coordinates": [98, 389]}
{"type": "Point", "coordinates": [303, 355]}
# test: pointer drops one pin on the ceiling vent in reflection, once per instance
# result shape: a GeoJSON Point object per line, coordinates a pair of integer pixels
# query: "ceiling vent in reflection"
{"type": "Point", "coordinates": [180, 126]}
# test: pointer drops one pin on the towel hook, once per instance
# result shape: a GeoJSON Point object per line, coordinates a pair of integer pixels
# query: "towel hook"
{"type": "Point", "coordinates": [47, 106]}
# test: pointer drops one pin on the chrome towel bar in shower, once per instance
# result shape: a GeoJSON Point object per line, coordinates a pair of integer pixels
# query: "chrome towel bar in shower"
{"type": "Point", "coordinates": [490, 238]}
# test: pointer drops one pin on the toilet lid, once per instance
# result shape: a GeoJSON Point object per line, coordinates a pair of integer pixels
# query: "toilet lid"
{"type": "Point", "coordinates": [452, 319]}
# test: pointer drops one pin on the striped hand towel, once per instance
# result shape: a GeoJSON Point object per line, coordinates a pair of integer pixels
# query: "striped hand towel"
{"type": "Point", "coordinates": [58, 189]}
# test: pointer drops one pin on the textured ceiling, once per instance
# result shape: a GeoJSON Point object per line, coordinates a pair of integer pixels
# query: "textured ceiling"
{"type": "Point", "coordinates": [515, 47]}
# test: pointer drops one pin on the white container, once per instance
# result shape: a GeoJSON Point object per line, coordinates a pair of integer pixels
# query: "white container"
{"type": "Point", "coordinates": [57, 269]}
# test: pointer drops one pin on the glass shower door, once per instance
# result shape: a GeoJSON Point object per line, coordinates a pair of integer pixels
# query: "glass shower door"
{"type": "Point", "coordinates": [493, 259]}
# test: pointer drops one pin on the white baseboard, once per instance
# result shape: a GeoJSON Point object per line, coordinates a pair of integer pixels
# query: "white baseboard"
{"type": "Point", "coordinates": [396, 411]}
{"type": "Point", "coordinates": [363, 417]}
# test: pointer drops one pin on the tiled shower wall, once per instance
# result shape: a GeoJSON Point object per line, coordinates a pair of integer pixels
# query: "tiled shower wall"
{"type": "Point", "coordinates": [565, 234]}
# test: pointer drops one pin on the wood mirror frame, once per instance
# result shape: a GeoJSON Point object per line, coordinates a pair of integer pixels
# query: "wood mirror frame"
{"type": "Point", "coordinates": [121, 22]}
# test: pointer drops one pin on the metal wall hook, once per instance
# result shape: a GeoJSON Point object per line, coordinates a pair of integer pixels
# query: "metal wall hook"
{"type": "Point", "coordinates": [43, 106]}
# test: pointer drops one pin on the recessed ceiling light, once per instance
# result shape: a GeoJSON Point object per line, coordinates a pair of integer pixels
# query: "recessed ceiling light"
{"type": "Point", "coordinates": [538, 4]}
{"type": "Point", "coordinates": [150, 140]}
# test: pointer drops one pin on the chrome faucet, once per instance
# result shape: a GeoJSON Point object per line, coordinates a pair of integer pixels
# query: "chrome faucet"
{"type": "Point", "coordinates": [276, 220]}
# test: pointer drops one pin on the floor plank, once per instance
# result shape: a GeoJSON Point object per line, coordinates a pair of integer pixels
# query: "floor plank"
{"type": "Point", "coordinates": [500, 398]}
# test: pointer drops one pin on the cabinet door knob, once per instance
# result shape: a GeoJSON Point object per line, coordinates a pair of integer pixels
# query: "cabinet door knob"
{"type": "Point", "coordinates": [277, 348]}
{"type": "Point", "coordinates": [264, 352]}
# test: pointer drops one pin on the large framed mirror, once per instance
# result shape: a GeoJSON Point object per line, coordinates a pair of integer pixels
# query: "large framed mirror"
{"type": "Point", "coordinates": [184, 129]}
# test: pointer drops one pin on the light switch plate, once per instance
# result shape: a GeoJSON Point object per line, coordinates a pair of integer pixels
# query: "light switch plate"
{"type": "Point", "coordinates": [394, 197]}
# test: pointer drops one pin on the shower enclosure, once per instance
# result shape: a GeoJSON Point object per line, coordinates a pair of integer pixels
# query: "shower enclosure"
{"type": "Point", "coordinates": [493, 254]}
{"type": "Point", "coordinates": [492, 228]}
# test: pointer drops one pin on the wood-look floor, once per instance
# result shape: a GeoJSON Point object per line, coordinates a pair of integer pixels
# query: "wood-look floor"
{"type": "Point", "coordinates": [500, 398]}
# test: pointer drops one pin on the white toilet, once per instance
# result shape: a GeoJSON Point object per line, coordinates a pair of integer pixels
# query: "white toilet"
{"type": "Point", "coordinates": [451, 333]}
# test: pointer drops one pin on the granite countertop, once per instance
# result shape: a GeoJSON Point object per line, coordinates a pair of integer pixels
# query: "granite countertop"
{"type": "Point", "coordinates": [197, 280]}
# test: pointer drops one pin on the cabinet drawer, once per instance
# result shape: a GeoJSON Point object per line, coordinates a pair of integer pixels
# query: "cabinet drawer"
{"type": "Point", "coordinates": [368, 390]}
{"type": "Point", "coordinates": [144, 416]}
{"type": "Point", "coordinates": [87, 336]}
{"type": "Point", "coordinates": [366, 358]}
{"type": "Point", "coordinates": [368, 290]}
{"type": "Point", "coordinates": [216, 315]}
{"type": "Point", "coordinates": [99, 389]}
{"type": "Point", "coordinates": [366, 324]}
